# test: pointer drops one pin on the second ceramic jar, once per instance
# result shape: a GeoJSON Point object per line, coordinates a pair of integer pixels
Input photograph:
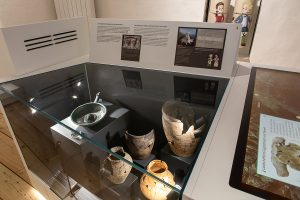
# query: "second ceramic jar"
{"type": "Point", "coordinates": [140, 146]}
{"type": "Point", "coordinates": [115, 169]}
{"type": "Point", "coordinates": [152, 188]}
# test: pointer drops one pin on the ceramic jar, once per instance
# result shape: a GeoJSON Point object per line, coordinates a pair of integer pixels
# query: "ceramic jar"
{"type": "Point", "coordinates": [115, 170]}
{"type": "Point", "coordinates": [179, 127]}
{"type": "Point", "coordinates": [140, 146]}
{"type": "Point", "coordinates": [152, 188]}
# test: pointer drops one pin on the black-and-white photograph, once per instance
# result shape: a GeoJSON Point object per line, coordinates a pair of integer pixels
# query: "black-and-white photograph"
{"type": "Point", "coordinates": [131, 47]}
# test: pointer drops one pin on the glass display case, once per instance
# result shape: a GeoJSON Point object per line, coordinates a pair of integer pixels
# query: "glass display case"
{"type": "Point", "coordinates": [110, 132]}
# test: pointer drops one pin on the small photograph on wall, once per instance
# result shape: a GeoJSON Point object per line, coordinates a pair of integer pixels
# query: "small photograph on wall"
{"type": "Point", "coordinates": [186, 37]}
{"type": "Point", "coordinates": [131, 47]}
{"type": "Point", "coordinates": [206, 51]}
{"type": "Point", "coordinates": [218, 10]}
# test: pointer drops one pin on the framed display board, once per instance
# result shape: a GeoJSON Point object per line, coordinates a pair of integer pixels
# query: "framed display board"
{"type": "Point", "coordinates": [186, 47]}
{"type": "Point", "coordinates": [267, 156]}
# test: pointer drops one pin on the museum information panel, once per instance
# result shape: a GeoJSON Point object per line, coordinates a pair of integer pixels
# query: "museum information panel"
{"type": "Point", "coordinates": [187, 47]}
{"type": "Point", "coordinates": [267, 158]}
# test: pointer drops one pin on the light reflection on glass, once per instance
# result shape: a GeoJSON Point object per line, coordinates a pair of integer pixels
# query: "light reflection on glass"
{"type": "Point", "coordinates": [33, 110]}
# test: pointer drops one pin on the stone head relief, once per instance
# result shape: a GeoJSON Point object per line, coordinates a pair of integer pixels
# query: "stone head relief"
{"type": "Point", "coordinates": [284, 155]}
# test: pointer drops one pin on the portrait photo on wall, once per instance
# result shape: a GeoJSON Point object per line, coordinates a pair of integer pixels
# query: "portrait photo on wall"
{"type": "Point", "coordinates": [206, 50]}
{"type": "Point", "coordinates": [218, 10]}
{"type": "Point", "coordinates": [131, 47]}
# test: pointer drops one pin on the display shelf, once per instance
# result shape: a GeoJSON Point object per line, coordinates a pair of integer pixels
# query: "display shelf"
{"type": "Point", "coordinates": [84, 151]}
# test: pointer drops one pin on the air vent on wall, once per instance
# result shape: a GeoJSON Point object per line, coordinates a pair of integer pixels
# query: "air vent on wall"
{"type": "Point", "coordinates": [61, 85]}
{"type": "Point", "coordinates": [49, 40]}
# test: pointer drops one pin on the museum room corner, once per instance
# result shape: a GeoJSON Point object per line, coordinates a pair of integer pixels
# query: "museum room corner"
{"type": "Point", "coordinates": [149, 100]}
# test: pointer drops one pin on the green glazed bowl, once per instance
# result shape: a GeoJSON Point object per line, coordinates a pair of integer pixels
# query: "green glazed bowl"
{"type": "Point", "coordinates": [88, 114]}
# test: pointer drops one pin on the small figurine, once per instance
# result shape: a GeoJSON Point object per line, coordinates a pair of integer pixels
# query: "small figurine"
{"type": "Point", "coordinates": [216, 61]}
{"type": "Point", "coordinates": [209, 60]}
{"type": "Point", "coordinates": [219, 12]}
{"type": "Point", "coordinates": [244, 19]}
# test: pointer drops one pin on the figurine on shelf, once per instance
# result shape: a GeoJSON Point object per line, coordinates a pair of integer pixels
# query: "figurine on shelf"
{"type": "Point", "coordinates": [219, 12]}
{"type": "Point", "coordinates": [244, 18]}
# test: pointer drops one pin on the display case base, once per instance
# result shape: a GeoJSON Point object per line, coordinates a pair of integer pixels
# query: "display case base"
{"type": "Point", "coordinates": [118, 191]}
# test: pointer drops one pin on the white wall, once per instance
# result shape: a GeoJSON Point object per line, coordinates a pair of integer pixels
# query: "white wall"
{"type": "Point", "coordinates": [16, 12]}
{"type": "Point", "coordinates": [277, 38]}
{"type": "Point", "coordinates": [168, 10]}
{"type": "Point", "coordinates": [13, 12]}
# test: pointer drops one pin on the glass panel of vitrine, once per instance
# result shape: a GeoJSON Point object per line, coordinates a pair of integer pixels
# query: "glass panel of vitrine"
{"type": "Point", "coordinates": [134, 100]}
{"type": "Point", "coordinates": [32, 132]}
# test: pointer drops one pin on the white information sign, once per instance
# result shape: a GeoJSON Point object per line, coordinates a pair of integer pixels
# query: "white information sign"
{"type": "Point", "coordinates": [186, 47]}
{"type": "Point", "coordinates": [279, 149]}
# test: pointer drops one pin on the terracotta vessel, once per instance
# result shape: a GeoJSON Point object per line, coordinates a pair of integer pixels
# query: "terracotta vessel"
{"type": "Point", "coordinates": [152, 188]}
{"type": "Point", "coordinates": [114, 169]}
{"type": "Point", "coordinates": [179, 127]}
{"type": "Point", "coordinates": [140, 146]}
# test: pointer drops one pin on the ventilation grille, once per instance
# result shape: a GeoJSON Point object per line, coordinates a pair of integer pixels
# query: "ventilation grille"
{"type": "Point", "coordinates": [74, 8]}
{"type": "Point", "coordinates": [49, 40]}
{"type": "Point", "coordinates": [61, 85]}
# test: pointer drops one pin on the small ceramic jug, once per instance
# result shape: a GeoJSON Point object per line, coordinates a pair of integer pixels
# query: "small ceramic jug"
{"type": "Point", "coordinates": [114, 169]}
{"type": "Point", "coordinates": [152, 188]}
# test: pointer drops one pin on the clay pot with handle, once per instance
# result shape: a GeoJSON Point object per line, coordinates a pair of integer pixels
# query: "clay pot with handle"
{"type": "Point", "coordinates": [115, 170]}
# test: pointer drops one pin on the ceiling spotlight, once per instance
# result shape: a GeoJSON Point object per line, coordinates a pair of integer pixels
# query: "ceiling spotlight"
{"type": "Point", "coordinates": [75, 97]}
{"type": "Point", "coordinates": [31, 100]}
{"type": "Point", "coordinates": [78, 84]}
